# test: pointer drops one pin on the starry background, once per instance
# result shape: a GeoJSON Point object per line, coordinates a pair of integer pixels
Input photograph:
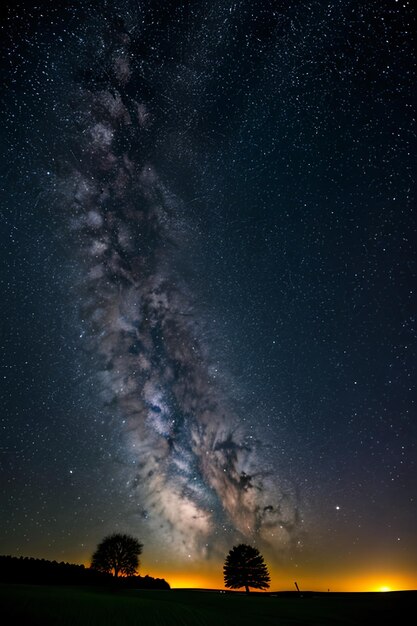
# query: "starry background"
{"type": "Point", "coordinates": [279, 140]}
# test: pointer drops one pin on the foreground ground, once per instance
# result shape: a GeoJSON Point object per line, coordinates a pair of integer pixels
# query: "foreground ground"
{"type": "Point", "coordinates": [47, 606]}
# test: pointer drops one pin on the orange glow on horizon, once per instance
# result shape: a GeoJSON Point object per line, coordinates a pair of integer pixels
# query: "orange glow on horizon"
{"type": "Point", "coordinates": [192, 581]}
{"type": "Point", "coordinates": [372, 581]}
{"type": "Point", "coordinates": [383, 582]}
{"type": "Point", "coordinates": [283, 580]}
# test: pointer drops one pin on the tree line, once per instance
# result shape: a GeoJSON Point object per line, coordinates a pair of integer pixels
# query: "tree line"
{"type": "Point", "coordinates": [116, 561]}
{"type": "Point", "coordinates": [26, 570]}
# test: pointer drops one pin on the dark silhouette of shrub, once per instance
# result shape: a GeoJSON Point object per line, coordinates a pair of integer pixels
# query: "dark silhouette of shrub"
{"type": "Point", "coordinates": [143, 582]}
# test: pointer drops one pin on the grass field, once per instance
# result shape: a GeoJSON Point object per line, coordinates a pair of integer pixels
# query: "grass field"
{"type": "Point", "coordinates": [47, 606]}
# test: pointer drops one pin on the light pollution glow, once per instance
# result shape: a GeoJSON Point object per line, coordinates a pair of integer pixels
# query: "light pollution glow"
{"type": "Point", "coordinates": [282, 579]}
{"type": "Point", "coordinates": [353, 579]}
{"type": "Point", "coordinates": [372, 581]}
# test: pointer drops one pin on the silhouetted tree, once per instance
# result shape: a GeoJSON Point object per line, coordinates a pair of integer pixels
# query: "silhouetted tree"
{"type": "Point", "coordinates": [118, 554]}
{"type": "Point", "coordinates": [245, 567]}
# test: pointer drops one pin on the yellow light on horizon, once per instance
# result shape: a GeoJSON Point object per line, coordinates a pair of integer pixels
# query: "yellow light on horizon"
{"type": "Point", "coordinates": [390, 582]}
{"type": "Point", "coordinates": [190, 581]}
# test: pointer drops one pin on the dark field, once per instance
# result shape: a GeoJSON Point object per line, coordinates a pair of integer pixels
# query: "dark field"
{"type": "Point", "coordinates": [49, 606]}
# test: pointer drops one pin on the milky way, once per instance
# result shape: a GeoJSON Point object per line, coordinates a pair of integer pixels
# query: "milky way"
{"type": "Point", "coordinates": [189, 462]}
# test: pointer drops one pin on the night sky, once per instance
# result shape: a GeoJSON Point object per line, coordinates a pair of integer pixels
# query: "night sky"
{"type": "Point", "coordinates": [208, 286]}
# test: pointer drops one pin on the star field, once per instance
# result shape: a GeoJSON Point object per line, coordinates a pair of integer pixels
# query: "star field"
{"type": "Point", "coordinates": [208, 276]}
